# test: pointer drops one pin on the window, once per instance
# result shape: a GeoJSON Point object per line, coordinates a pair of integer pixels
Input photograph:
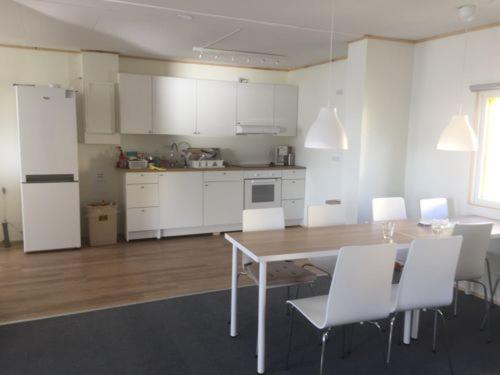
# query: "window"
{"type": "Point", "coordinates": [487, 169]}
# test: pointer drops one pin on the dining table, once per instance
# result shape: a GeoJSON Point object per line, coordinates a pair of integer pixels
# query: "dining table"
{"type": "Point", "coordinates": [297, 243]}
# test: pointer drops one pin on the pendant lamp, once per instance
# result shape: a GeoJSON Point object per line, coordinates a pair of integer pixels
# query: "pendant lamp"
{"type": "Point", "coordinates": [459, 135]}
{"type": "Point", "coordinates": [327, 131]}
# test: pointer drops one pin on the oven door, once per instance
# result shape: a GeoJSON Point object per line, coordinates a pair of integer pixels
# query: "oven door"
{"type": "Point", "coordinates": [263, 193]}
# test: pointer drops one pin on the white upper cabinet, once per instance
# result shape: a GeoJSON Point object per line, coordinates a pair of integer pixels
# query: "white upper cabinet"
{"type": "Point", "coordinates": [174, 106]}
{"type": "Point", "coordinates": [216, 114]}
{"type": "Point", "coordinates": [285, 109]}
{"type": "Point", "coordinates": [136, 104]}
{"type": "Point", "coordinates": [255, 104]}
{"type": "Point", "coordinates": [181, 106]}
{"type": "Point", "coordinates": [100, 107]}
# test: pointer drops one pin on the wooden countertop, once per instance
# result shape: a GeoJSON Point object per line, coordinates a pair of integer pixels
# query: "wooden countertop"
{"type": "Point", "coordinates": [230, 168]}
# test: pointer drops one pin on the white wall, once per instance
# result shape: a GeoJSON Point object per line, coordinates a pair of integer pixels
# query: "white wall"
{"type": "Point", "coordinates": [437, 88]}
{"type": "Point", "coordinates": [355, 98]}
{"type": "Point", "coordinates": [323, 166]}
{"type": "Point", "coordinates": [371, 90]}
{"type": "Point", "coordinates": [385, 122]}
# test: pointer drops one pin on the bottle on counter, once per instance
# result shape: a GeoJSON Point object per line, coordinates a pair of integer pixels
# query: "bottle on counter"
{"type": "Point", "coordinates": [122, 160]}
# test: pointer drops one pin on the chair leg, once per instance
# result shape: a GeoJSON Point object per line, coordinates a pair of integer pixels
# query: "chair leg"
{"type": "Point", "coordinates": [389, 343]}
{"type": "Point", "coordinates": [455, 301]}
{"type": "Point", "coordinates": [287, 306]}
{"type": "Point", "coordinates": [344, 334]}
{"type": "Point", "coordinates": [324, 340]}
{"type": "Point", "coordinates": [292, 313]}
{"type": "Point", "coordinates": [485, 321]}
{"type": "Point", "coordinates": [445, 340]}
{"type": "Point", "coordinates": [434, 333]}
{"type": "Point", "coordinates": [350, 338]}
{"type": "Point", "coordinates": [490, 281]}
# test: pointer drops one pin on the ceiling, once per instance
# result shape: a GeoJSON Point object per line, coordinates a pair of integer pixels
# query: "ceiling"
{"type": "Point", "coordinates": [296, 29]}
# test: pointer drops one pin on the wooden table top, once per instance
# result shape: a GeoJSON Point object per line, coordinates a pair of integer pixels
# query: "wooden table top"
{"type": "Point", "coordinates": [300, 242]}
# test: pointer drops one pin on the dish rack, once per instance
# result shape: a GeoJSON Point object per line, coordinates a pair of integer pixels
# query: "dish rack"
{"type": "Point", "coordinates": [206, 163]}
{"type": "Point", "coordinates": [137, 164]}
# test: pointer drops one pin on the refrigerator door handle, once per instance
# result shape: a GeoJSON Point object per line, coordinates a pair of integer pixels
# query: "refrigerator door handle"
{"type": "Point", "coordinates": [45, 178]}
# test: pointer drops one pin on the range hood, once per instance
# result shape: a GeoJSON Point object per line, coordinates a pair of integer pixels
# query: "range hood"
{"type": "Point", "coordinates": [257, 129]}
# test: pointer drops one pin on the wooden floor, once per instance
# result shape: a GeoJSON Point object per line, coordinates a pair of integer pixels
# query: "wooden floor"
{"type": "Point", "coordinates": [61, 282]}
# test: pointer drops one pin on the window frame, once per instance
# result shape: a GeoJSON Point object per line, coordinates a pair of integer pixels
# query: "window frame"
{"type": "Point", "coordinates": [477, 160]}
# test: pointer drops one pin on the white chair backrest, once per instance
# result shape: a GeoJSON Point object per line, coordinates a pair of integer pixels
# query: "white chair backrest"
{"type": "Point", "coordinates": [262, 219]}
{"type": "Point", "coordinates": [429, 273]}
{"type": "Point", "coordinates": [325, 215]}
{"type": "Point", "coordinates": [474, 248]}
{"type": "Point", "coordinates": [388, 209]}
{"type": "Point", "coordinates": [365, 294]}
{"type": "Point", "coordinates": [434, 208]}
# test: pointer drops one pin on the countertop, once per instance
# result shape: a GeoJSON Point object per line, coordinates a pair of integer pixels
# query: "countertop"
{"type": "Point", "coordinates": [230, 168]}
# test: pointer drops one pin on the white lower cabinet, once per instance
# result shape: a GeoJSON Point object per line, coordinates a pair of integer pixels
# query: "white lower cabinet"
{"type": "Point", "coordinates": [142, 195]}
{"type": "Point", "coordinates": [190, 202]}
{"type": "Point", "coordinates": [292, 189]}
{"type": "Point", "coordinates": [143, 219]}
{"type": "Point", "coordinates": [223, 202]}
{"type": "Point", "coordinates": [293, 209]}
{"type": "Point", "coordinates": [181, 199]}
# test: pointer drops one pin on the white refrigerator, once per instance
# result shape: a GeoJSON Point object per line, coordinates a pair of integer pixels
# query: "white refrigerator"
{"type": "Point", "coordinates": [50, 196]}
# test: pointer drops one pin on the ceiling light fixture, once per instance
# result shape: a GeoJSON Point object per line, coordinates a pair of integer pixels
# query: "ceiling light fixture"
{"type": "Point", "coordinates": [459, 135]}
{"type": "Point", "coordinates": [327, 132]}
{"type": "Point", "coordinates": [262, 56]}
{"type": "Point", "coordinates": [185, 17]}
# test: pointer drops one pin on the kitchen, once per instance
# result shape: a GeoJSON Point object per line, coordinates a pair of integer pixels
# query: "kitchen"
{"type": "Point", "coordinates": [191, 118]}
{"type": "Point", "coordinates": [165, 203]}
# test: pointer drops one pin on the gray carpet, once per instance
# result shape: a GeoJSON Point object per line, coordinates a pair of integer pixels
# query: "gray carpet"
{"type": "Point", "coordinates": [189, 335]}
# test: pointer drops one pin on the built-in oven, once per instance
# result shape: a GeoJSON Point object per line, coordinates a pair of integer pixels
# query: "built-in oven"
{"type": "Point", "coordinates": [262, 193]}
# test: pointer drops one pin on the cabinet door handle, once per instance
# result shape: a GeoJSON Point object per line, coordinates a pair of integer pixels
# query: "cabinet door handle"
{"type": "Point", "coordinates": [142, 187]}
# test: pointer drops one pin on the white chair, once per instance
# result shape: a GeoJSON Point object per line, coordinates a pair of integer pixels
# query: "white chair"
{"type": "Point", "coordinates": [282, 273]}
{"type": "Point", "coordinates": [434, 208]}
{"type": "Point", "coordinates": [471, 264]}
{"type": "Point", "coordinates": [427, 281]}
{"type": "Point", "coordinates": [388, 209]}
{"type": "Point", "coordinates": [325, 216]}
{"type": "Point", "coordinates": [352, 298]}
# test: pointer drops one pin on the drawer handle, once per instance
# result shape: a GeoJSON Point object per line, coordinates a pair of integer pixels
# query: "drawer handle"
{"type": "Point", "coordinates": [143, 211]}
{"type": "Point", "coordinates": [293, 182]}
{"type": "Point", "coordinates": [142, 187]}
{"type": "Point", "coordinates": [142, 174]}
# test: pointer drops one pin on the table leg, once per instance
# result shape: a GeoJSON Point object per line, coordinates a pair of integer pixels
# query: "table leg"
{"type": "Point", "coordinates": [407, 328]}
{"type": "Point", "coordinates": [261, 334]}
{"type": "Point", "coordinates": [415, 324]}
{"type": "Point", "coordinates": [234, 294]}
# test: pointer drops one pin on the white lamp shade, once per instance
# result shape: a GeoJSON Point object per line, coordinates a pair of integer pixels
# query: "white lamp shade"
{"type": "Point", "coordinates": [327, 131]}
{"type": "Point", "coordinates": [458, 135]}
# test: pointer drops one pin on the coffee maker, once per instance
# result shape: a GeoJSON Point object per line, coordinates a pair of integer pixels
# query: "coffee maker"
{"type": "Point", "coordinates": [284, 156]}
